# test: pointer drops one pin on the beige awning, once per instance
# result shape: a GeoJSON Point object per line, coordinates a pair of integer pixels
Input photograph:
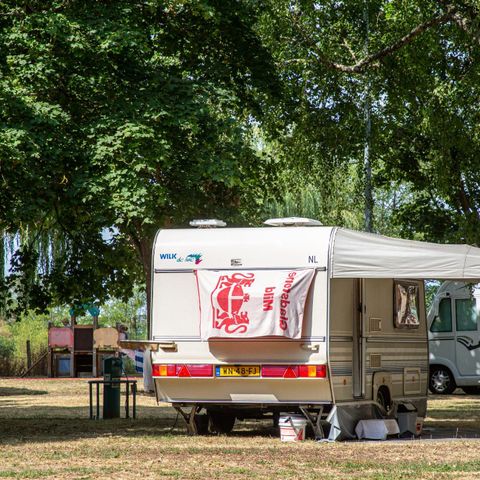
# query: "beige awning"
{"type": "Point", "coordinates": [366, 255]}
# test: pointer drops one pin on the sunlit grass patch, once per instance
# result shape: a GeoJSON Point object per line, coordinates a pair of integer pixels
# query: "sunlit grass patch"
{"type": "Point", "coordinates": [48, 435]}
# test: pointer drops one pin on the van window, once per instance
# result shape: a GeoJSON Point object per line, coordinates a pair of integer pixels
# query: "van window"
{"type": "Point", "coordinates": [443, 321]}
{"type": "Point", "coordinates": [466, 313]}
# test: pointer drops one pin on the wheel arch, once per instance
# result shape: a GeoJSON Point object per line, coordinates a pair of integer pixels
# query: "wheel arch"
{"type": "Point", "coordinates": [382, 381]}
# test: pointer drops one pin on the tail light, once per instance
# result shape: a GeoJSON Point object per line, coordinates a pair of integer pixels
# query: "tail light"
{"type": "Point", "coordinates": [199, 370]}
{"type": "Point", "coordinates": [294, 371]}
{"type": "Point", "coordinates": [278, 371]}
{"type": "Point", "coordinates": [317, 371]}
{"type": "Point", "coordinates": [189, 370]}
{"type": "Point", "coordinates": [163, 370]}
{"type": "Point", "coordinates": [268, 371]}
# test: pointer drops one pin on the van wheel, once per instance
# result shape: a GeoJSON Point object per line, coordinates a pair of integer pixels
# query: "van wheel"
{"type": "Point", "coordinates": [471, 390]}
{"type": "Point", "coordinates": [220, 422]}
{"type": "Point", "coordinates": [441, 381]}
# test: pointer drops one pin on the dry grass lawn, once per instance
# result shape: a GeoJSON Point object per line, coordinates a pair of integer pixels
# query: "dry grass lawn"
{"type": "Point", "coordinates": [45, 433]}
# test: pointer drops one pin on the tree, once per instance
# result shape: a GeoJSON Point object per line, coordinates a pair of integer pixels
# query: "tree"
{"type": "Point", "coordinates": [436, 145]}
{"type": "Point", "coordinates": [125, 115]}
{"type": "Point", "coordinates": [416, 53]}
{"type": "Point", "coordinates": [130, 115]}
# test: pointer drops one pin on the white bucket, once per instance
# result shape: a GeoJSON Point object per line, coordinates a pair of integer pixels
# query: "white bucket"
{"type": "Point", "coordinates": [292, 428]}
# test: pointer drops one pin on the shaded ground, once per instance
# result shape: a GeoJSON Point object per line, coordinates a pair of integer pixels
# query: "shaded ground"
{"type": "Point", "coordinates": [45, 433]}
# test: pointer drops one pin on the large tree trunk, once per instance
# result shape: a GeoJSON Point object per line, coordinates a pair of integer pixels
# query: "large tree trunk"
{"type": "Point", "coordinates": [143, 245]}
{"type": "Point", "coordinates": [146, 259]}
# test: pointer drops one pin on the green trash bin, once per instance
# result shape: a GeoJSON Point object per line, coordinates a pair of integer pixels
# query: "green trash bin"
{"type": "Point", "coordinates": [112, 370]}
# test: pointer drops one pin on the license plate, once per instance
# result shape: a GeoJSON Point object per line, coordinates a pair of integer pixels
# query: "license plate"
{"type": "Point", "coordinates": [237, 371]}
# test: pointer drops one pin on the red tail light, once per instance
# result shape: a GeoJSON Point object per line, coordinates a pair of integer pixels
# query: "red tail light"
{"type": "Point", "coordinates": [294, 371]}
{"type": "Point", "coordinates": [190, 370]}
{"type": "Point", "coordinates": [291, 372]}
{"type": "Point", "coordinates": [183, 372]}
{"type": "Point", "coordinates": [268, 371]}
{"type": "Point", "coordinates": [164, 370]}
{"type": "Point", "coordinates": [200, 370]}
{"type": "Point", "coordinates": [274, 371]}
{"type": "Point", "coordinates": [309, 371]}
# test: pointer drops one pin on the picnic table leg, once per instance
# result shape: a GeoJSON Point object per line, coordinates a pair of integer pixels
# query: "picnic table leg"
{"type": "Point", "coordinates": [127, 405]}
{"type": "Point", "coordinates": [134, 392]}
{"type": "Point", "coordinates": [90, 396]}
{"type": "Point", "coordinates": [98, 401]}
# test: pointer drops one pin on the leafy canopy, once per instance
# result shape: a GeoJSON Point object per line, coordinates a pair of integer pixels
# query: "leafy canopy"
{"type": "Point", "coordinates": [124, 115]}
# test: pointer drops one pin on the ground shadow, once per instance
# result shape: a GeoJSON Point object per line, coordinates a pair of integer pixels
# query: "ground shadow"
{"type": "Point", "coordinates": [14, 391]}
{"type": "Point", "coordinates": [20, 431]}
{"type": "Point", "coordinates": [69, 423]}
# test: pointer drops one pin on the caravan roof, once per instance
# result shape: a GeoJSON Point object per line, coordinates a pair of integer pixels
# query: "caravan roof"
{"type": "Point", "coordinates": [345, 253]}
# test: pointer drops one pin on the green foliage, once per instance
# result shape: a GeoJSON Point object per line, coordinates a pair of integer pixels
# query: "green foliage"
{"type": "Point", "coordinates": [132, 116]}
{"type": "Point", "coordinates": [431, 288]}
{"type": "Point", "coordinates": [33, 327]}
{"type": "Point", "coordinates": [124, 115]}
{"type": "Point", "coordinates": [7, 347]}
{"type": "Point", "coordinates": [334, 202]}
{"type": "Point", "coordinates": [46, 269]}
{"type": "Point", "coordinates": [131, 313]}
{"type": "Point", "coordinates": [424, 113]}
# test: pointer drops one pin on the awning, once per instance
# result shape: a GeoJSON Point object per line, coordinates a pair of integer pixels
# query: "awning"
{"type": "Point", "coordinates": [366, 255]}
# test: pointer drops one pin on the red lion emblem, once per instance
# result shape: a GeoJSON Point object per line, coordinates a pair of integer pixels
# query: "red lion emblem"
{"type": "Point", "coordinates": [227, 299]}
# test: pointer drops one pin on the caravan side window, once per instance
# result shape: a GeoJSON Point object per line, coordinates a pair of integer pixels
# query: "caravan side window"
{"type": "Point", "coordinates": [466, 314]}
{"type": "Point", "coordinates": [406, 305]}
{"type": "Point", "coordinates": [443, 321]}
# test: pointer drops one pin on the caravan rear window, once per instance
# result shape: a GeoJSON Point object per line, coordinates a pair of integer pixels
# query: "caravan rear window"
{"type": "Point", "coordinates": [443, 321]}
{"type": "Point", "coordinates": [466, 314]}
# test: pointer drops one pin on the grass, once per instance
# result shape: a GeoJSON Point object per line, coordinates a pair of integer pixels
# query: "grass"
{"type": "Point", "coordinates": [45, 433]}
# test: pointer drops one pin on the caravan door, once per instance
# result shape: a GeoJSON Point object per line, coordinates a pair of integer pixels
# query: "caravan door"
{"type": "Point", "coordinates": [358, 367]}
{"type": "Point", "coordinates": [467, 336]}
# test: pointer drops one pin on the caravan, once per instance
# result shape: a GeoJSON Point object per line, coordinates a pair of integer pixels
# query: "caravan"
{"type": "Point", "coordinates": [300, 318]}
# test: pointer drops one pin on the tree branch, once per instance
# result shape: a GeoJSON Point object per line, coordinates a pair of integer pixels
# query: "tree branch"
{"type": "Point", "coordinates": [369, 60]}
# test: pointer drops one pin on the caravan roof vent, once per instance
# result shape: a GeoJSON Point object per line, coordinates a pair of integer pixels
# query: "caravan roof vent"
{"type": "Point", "coordinates": [207, 223]}
{"type": "Point", "coordinates": [292, 222]}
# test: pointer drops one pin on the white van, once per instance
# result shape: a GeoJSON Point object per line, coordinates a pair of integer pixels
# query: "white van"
{"type": "Point", "coordinates": [329, 322]}
{"type": "Point", "coordinates": [454, 338]}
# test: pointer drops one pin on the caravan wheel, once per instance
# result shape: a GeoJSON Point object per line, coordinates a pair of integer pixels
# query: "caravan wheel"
{"type": "Point", "coordinates": [220, 422]}
{"type": "Point", "coordinates": [441, 381]}
{"type": "Point", "coordinates": [383, 398]}
{"type": "Point", "coordinates": [201, 422]}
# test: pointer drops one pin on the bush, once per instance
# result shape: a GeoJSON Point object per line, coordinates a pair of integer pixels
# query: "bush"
{"type": "Point", "coordinates": [7, 347]}
{"type": "Point", "coordinates": [31, 327]}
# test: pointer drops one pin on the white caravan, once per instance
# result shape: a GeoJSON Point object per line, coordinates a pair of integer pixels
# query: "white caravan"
{"type": "Point", "coordinates": [345, 339]}
{"type": "Point", "coordinates": [454, 338]}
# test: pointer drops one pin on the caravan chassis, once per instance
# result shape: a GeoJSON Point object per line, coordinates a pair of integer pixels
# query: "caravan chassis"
{"type": "Point", "coordinates": [315, 415]}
